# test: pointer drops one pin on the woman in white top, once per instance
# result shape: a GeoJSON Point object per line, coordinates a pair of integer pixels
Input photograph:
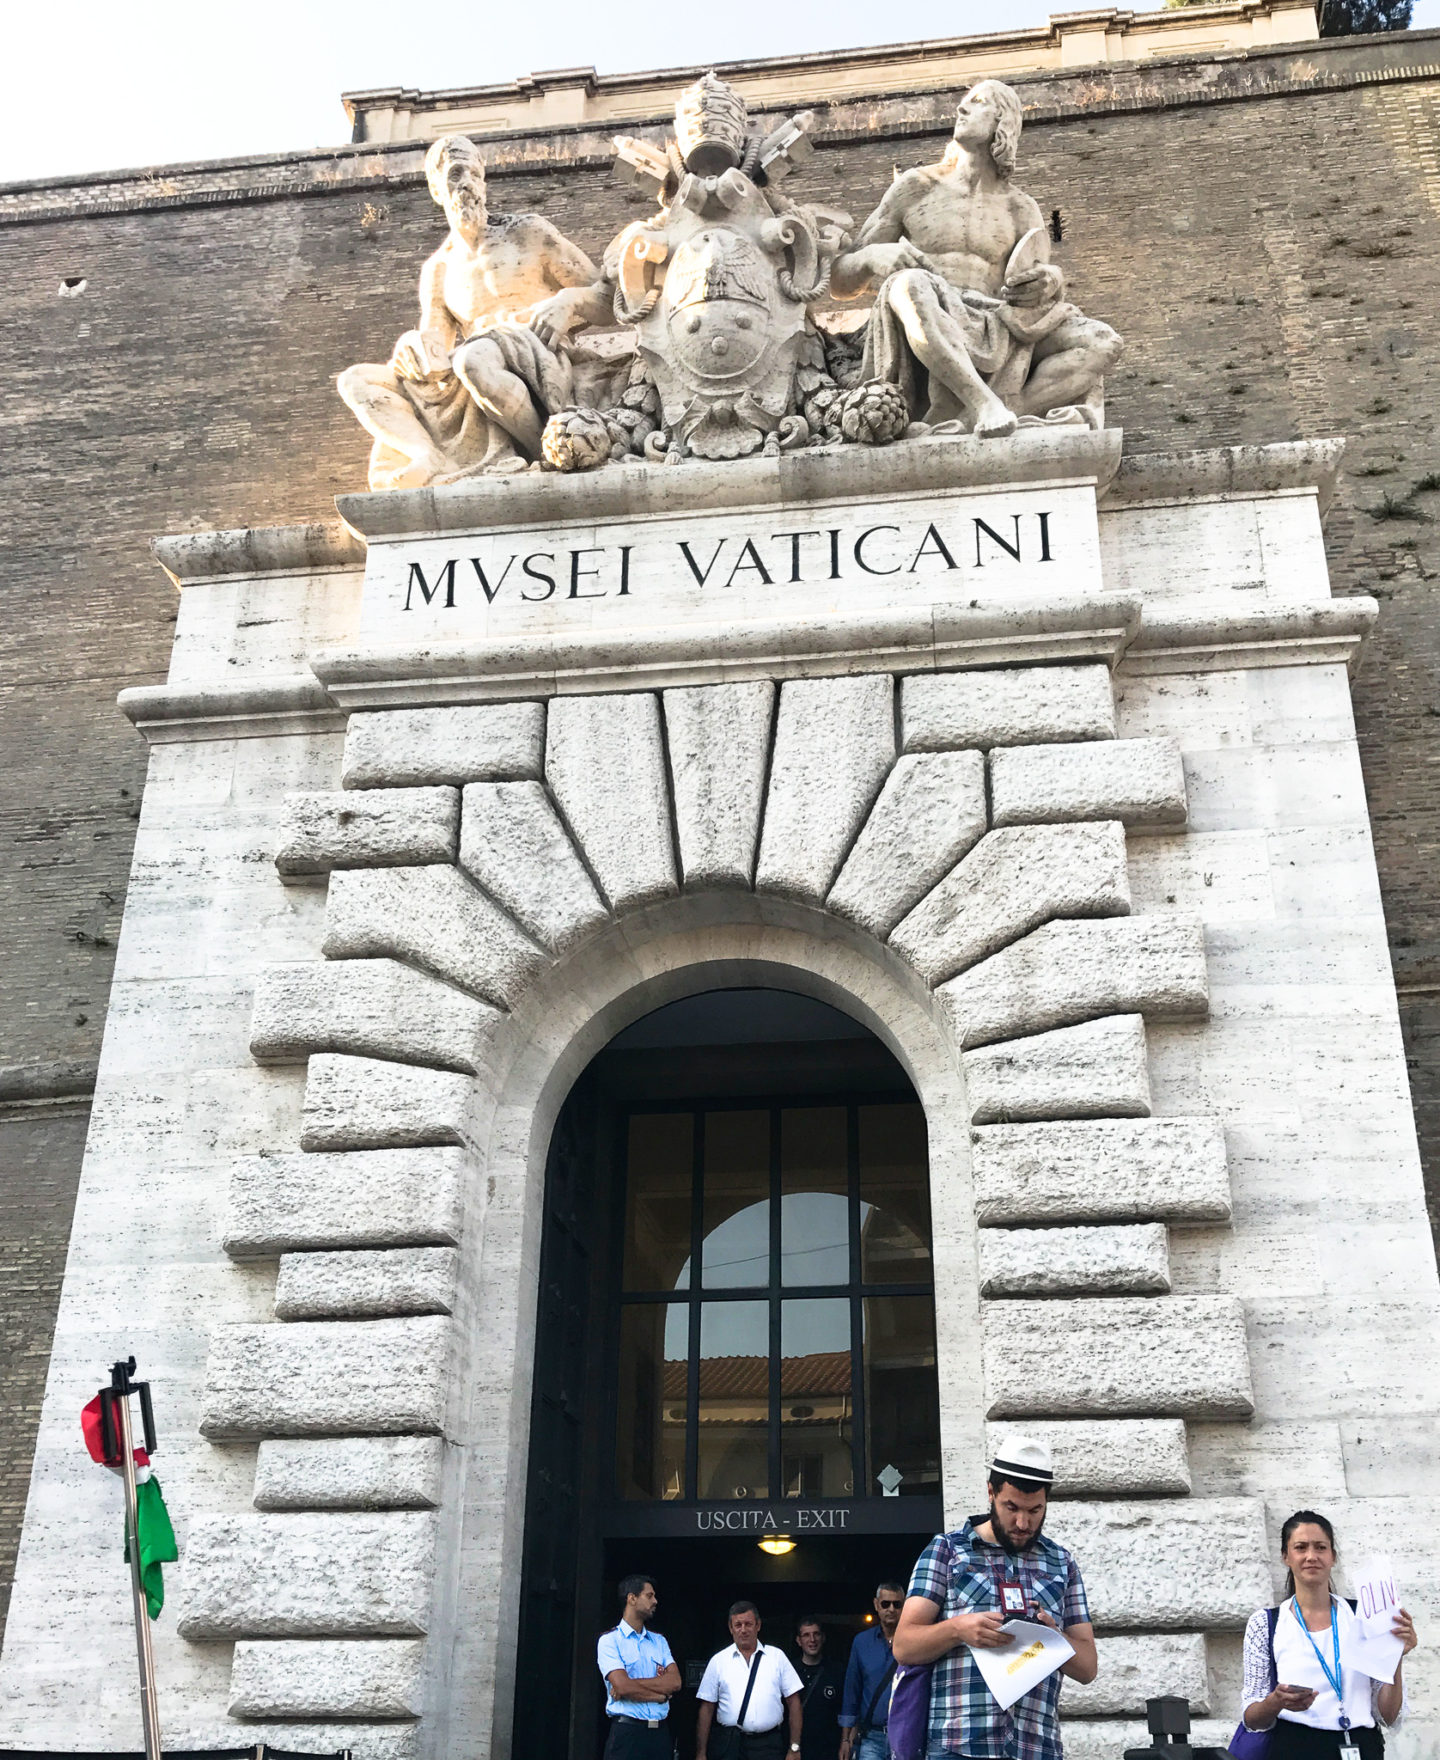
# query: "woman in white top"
{"type": "Point", "coordinates": [1315, 1706]}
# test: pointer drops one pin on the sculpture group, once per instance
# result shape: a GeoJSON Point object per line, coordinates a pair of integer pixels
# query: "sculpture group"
{"type": "Point", "coordinates": [708, 329]}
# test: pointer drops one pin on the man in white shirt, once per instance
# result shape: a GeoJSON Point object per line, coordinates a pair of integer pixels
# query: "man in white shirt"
{"type": "Point", "coordinates": [640, 1677]}
{"type": "Point", "coordinates": [748, 1694]}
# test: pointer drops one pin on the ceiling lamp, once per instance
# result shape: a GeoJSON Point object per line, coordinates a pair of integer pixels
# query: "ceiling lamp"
{"type": "Point", "coordinates": [777, 1545]}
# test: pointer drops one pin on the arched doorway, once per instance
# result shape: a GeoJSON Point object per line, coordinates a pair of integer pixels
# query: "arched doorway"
{"type": "Point", "coordinates": [735, 1342]}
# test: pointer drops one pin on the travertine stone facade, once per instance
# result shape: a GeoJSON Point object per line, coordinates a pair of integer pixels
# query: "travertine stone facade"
{"type": "Point", "coordinates": [1139, 1029]}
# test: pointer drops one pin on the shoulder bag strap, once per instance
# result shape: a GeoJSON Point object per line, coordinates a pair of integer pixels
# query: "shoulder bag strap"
{"type": "Point", "coordinates": [749, 1689]}
{"type": "Point", "coordinates": [1272, 1617]}
{"type": "Point", "coordinates": [885, 1681]}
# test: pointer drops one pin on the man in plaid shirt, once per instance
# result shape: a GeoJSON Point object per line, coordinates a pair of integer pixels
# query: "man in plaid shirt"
{"type": "Point", "coordinates": [965, 1585]}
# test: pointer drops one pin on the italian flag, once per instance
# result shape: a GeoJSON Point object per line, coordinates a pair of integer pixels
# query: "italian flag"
{"type": "Point", "coordinates": [152, 1519]}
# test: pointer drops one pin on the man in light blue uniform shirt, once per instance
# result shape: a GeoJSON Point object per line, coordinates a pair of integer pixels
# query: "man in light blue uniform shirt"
{"type": "Point", "coordinates": [640, 1677]}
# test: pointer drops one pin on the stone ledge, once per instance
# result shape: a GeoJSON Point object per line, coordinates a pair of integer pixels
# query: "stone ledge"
{"type": "Point", "coordinates": [932, 638]}
{"type": "Point", "coordinates": [1132, 1260]}
{"type": "Point", "coordinates": [318, 1378]}
{"type": "Point", "coordinates": [1197, 1563]}
{"type": "Point", "coordinates": [349, 1472]}
{"type": "Point", "coordinates": [243, 708]}
{"type": "Point", "coordinates": [367, 1285]}
{"type": "Point", "coordinates": [791, 479]}
{"type": "Point", "coordinates": [1149, 479]}
{"type": "Point", "coordinates": [1109, 1457]}
{"type": "Point", "coordinates": [1212, 639]}
{"type": "Point", "coordinates": [1101, 1170]}
{"type": "Point", "coordinates": [372, 1198]}
{"type": "Point", "coordinates": [1175, 1356]}
{"type": "Point", "coordinates": [243, 553]}
{"type": "Point", "coordinates": [327, 1678]}
{"type": "Point", "coordinates": [1070, 971]}
{"type": "Point", "coordinates": [1095, 1070]}
{"type": "Point", "coordinates": [367, 1008]}
{"type": "Point", "coordinates": [308, 1576]}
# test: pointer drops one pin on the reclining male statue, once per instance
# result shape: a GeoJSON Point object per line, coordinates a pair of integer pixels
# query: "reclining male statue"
{"type": "Point", "coordinates": [970, 318]}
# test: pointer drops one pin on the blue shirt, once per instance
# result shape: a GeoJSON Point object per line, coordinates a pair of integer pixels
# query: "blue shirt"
{"type": "Point", "coordinates": [642, 1655]}
{"type": "Point", "coordinates": [869, 1664]}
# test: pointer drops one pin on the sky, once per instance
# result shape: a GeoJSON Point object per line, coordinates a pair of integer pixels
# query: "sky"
{"type": "Point", "coordinates": [112, 84]}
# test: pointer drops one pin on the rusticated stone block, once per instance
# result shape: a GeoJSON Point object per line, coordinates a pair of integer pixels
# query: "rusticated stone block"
{"type": "Point", "coordinates": [1094, 1738]}
{"type": "Point", "coordinates": [374, 1198]}
{"type": "Point", "coordinates": [406, 748]}
{"type": "Point", "coordinates": [930, 812]}
{"type": "Point", "coordinates": [335, 1677]}
{"type": "Point", "coordinates": [366, 828]}
{"type": "Point", "coordinates": [1011, 883]}
{"type": "Point", "coordinates": [1094, 1070]}
{"type": "Point", "coordinates": [369, 1008]}
{"type": "Point", "coordinates": [367, 1285]}
{"type": "Point", "coordinates": [1009, 706]}
{"type": "Point", "coordinates": [1102, 1170]}
{"type": "Point", "coordinates": [349, 1472]}
{"type": "Point", "coordinates": [1132, 1260]}
{"type": "Point", "coordinates": [432, 917]}
{"type": "Point", "coordinates": [719, 739]}
{"type": "Point", "coordinates": [512, 842]}
{"type": "Point", "coordinates": [605, 763]}
{"type": "Point", "coordinates": [1141, 782]}
{"type": "Point", "coordinates": [1107, 1457]}
{"type": "Point", "coordinates": [1176, 1356]}
{"type": "Point", "coordinates": [316, 1378]}
{"type": "Point", "coordinates": [1134, 1669]}
{"type": "Point", "coordinates": [308, 1576]}
{"type": "Point", "coordinates": [358, 1103]}
{"type": "Point", "coordinates": [1072, 971]}
{"type": "Point", "coordinates": [1161, 1566]}
{"type": "Point", "coordinates": [834, 744]}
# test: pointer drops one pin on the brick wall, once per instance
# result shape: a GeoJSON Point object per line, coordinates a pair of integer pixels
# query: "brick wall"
{"type": "Point", "coordinates": [1264, 231]}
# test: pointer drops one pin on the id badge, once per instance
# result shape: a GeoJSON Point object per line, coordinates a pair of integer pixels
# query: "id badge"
{"type": "Point", "coordinates": [1012, 1600]}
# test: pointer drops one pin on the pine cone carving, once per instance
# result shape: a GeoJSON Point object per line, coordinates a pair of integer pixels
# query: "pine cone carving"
{"type": "Point", "coordinates": [576, 440]}
{"type": "Point", "coordinates": [874, 413]}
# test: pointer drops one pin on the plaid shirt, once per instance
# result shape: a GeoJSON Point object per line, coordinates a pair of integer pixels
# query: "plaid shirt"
{"type": "Point", "coordinates": [961, 1573]}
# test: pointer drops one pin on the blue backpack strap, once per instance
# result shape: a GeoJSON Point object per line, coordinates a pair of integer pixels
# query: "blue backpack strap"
{"type": "Point", "coordinates": [1272, 1618]}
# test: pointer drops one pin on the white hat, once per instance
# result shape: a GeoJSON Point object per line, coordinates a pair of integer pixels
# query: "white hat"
{"type": "Point", "coordinates": [1022, 1457]}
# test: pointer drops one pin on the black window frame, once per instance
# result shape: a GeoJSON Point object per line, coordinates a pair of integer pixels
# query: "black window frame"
{"type": "Point", "coordinates": [773, 1291]}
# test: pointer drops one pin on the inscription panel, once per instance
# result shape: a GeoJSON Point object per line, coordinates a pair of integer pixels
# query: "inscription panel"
{"type": "Point", "coordinates": [742, 564]}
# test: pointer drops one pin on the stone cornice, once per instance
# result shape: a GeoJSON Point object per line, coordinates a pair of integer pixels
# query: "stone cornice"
{"type": "Point", "coordinates": [1331, 64]}
{"type": "Point", "coordinates": [320, 548]}
{"type": "Point", "coordinates": [1151, 479]}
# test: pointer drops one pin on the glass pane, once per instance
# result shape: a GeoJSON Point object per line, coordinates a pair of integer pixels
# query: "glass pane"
{"type": "Point", "coordinates": [734, 1399]}
{"type": "Point", "coordinates": [650, 1417]}
{"type": "Point", "coordinates": [814, 1202]}
{"type": "Point", "coordinates": [894, 1195]}
{"type": "Point", "coordinates": [736, 1250]}
{"type": "Point", "coordinates": [659, 1166]}
{"type": "Point", "coordinates": [815, 1404]}
{"type": "Point", "coordinates": [902, 1395]}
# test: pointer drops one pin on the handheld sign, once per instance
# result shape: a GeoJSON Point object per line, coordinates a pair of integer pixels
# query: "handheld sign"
{"type": "Point", "coordinates": [1372, 1648]}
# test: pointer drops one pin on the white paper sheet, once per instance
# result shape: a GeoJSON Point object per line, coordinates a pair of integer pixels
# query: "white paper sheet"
{"type": "Point", "coordinates": [1035, 1654]}
{"type": "Point", "coordinates": [1370, 1647]}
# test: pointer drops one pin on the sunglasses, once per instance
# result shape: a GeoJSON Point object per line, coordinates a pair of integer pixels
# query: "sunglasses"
{"type": "Point", "coordinates": [880, 1603]}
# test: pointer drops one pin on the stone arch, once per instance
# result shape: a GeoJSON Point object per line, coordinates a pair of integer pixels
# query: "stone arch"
{"type": "Point", "coordinates": [508, 885]}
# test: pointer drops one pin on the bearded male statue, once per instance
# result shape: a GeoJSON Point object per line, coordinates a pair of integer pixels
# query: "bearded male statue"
{"type": "Point", "coordinates": [970, 318]}
{"type": "Point", "coordinates": [471, 388]}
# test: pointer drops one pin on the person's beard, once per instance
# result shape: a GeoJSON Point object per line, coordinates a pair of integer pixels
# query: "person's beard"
{"type": "Point", "coordinates": [1008, 1544]}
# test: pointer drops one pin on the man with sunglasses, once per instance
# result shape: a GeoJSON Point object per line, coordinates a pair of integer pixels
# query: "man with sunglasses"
{"type": "Point", "coordinates": [865, 1705]}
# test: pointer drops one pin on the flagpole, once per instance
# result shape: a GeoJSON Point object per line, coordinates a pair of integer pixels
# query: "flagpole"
{"type": "Point", "coordinates": [149, 1708]}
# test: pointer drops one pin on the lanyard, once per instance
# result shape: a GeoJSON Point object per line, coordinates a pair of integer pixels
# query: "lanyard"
{"type": "Point", "coordinates": [1335, 1678]}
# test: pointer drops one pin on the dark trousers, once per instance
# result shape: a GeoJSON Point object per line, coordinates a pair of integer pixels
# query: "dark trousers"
{"type": "Point", "coordinates": [1298, 1741]}
{"type": "Point", "coordinates": [769, 1744]}
{"type": "Point", "coordinates": [632, 1739]}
